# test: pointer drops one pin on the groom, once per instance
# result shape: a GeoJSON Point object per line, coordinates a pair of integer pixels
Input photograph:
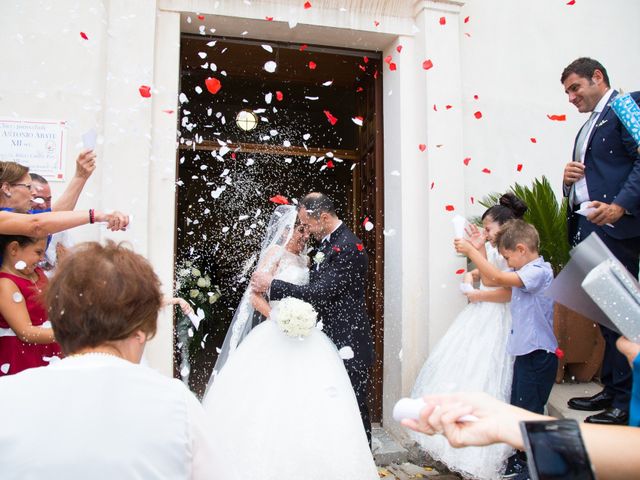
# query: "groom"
{"type": "Point", "coordinates": [336, 290]}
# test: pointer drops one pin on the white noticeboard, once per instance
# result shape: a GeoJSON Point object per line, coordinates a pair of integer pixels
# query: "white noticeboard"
{"type": "Point", "coordinates": [37, 144]}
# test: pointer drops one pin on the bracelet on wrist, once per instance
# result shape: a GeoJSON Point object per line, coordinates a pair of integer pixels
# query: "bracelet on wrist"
{"type": "Point", "coordinates": [92, 216]}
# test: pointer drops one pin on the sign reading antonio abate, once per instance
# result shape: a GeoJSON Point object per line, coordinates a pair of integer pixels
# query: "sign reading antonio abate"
{"type": "Point", "coordinates": [37, 144]}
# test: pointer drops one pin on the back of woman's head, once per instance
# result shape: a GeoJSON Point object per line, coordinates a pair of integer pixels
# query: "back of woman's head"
{"type": "Point", "coordinates": [509, 207]}
{"type": "Point", "coordinates": [102, 294]}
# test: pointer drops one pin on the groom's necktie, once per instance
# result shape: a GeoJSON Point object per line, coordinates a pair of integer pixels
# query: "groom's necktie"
{"type": "Point", "coordinates": [577, 157]}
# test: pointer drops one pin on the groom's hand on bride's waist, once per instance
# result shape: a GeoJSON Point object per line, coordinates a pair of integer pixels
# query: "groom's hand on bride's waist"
{"type": "Point", "coordinates": [261, 281]}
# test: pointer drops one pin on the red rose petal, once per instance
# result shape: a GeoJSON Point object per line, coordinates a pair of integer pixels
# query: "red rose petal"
{"type": "Point", "coordinates": [359, 246]}
{"type": "Point", "coordinates": [557, 118]}
{"type": "Point", "coordinates": [393, 67]}
{"type": "Point", "coordinates": [307, 5]}
{"type": "Point", "coordinates": [433, 184]}
{"type": "Point", "coordinates": [559, 353]}
{"type": "Point", "coordinates": [427, 64]}
{"type": "Point", "coordinates": [330, 164]}
{"type": "Point", "coordinates": [365, 59]}
{"type": "Point", "coordinates": [269, 19]}
{"type": "Point", "coordinates": [376, 23]}
{"type": "Point", "coordinates": [572, 2]}
{"type": "Point", "coordinates": [533, 140]}
{"type": "Point", "coordinates": [336, 249]}
{"type": "Point", "coordinates": [466, 20]}
{"type": "Point", "coordinates": [448, 107]}
{"type": "Point", "coordinates": [364, 222]}
{"type": "Point", "coordinates": [213, 85]}
{"type": "Point", "coordinates": [84, 36]}
{"type": "Point", "coordinates": [145, 91]}
{"type": "Point", "coordinates": [486, 170]}
{"type": "Point", "coordinates": [168, 111]}
{"type": "Point", "coordinates": [303, 47]}
{"type": "Point", "coordinates": [443, 21]}
{"type": "Point", "coordinates": [478, 115]}
{"type": "Point", "coordinates": [388, 59]}
{"type": "Point", "coordinates": [332, 120]}
{"type": "Point", "coordinates": [362, 67]}
{"type": "Point", "coordinates": [435, 109]}
{"type": "Point", "coordinates": [312, 65]}
{"type": "Point", "coordinates": [375, 74]}
{"type": "Point", "coordinates": [200, 17]}
{"type": "Point", "coordinates": [460, 271]}
{"type": "Point", "coordinates": [473, 200]}
{"type": "Point", "coordinates": [399, 48]}
{"type": "Point", "coordinates": [519, 167]}
{"type": "Point", "coordinates": [475, 97]}
{"type": "Point", "coordinates": [467, 34]}
{"type": "Point", "coordinates": [279, 95]}
{"type": "Point", "coordinates": [449, 208]}
{"type": "Point", "coordinates": [279, 199]}
{"type": "Point", "coordinates": [422, 147]}
{"type": "Point", "coordinates": [466, 160]}
{"type": "Point", "coordinates": [359, 89]}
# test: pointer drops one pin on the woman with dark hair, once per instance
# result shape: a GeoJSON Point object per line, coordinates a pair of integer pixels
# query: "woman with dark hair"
{"type": "Point", "coordinates": [472, 355]}
{"type": "Point", "coordinates": [97, 413]}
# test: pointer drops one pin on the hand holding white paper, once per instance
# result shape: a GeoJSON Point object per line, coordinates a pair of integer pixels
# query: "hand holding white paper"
{"type": "Point", "coordinates": [466, 287]}
{"type": "Point", "coordinates": [459, 222]}
{"type": "Point", "coordinates": [195, 319]}
{"type": "Point", "coordinates": [410, 408]}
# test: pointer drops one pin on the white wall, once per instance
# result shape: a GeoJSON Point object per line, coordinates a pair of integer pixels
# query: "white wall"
{"type": "Point", "coordinates": [513, 61]}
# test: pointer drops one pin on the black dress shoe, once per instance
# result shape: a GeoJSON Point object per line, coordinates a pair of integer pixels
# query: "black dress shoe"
{"type": "Point", "coordinates": [611, 416]}
{"type": "Point", "coordinates": [599, 401]}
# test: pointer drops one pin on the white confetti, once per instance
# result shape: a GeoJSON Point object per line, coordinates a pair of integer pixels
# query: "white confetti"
{"type": "Point", "coordinates": [311, 98]}
{"type": "Point", "coordinates": [268, 97]}
{"type": "Point", "coordinates": [17, 297]}
{"type": "Point", "coordinates": [389, 233]}
{"type": "Point", "coordinates": [184, 371]}
{"type": "Point", "coordinates": [4, 368]}
{"type": "Point", "coordinates": [346, 353]}
{"type": "Point", "coordinates": [400, 355]}
{"type": "Point", "coordinates": [183, 98]}
{"type": "Point", "coordinates": [212, 43]}
{"type": "Point", "coordinates": [306, 136]}
{"type": "Point", "coordinates": [357, 121]}
{"type": "Point", "coordinates": [225, 229]}
{"type": "Point", "coordinates": [268, 48]}
{"type": "Point", "coordinates": [270, 66]}
{"type": "Point", "coordinates": [198, 90]}
{"type": "Point", "coordinates": [218, 191]}
{"type": "Point", "coordinates": [38, 200]}
{"type": "Point", "coordinates": [395, 173]}
{"type": "Point", "coordinates": [250, 161]}
{"type": "Point", "coordinates": [202, 55]}
{"type": "Point", "coordinates": [52, 359]}
{"type": "Point", "coordinates": [368, 226]}
{"type": "Point", "coordinates": [20, 265]}
{"type": "Point", "coordinates": [286, 143]}
{"type": "Point", "coordinates": [328, 83]}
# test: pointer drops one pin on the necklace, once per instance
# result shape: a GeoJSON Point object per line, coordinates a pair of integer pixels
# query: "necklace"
{"type": "Point", "coordinates": [98, 353]}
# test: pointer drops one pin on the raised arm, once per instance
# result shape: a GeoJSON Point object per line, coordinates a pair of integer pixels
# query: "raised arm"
{"type": "Point", "coordinates": [493, 275]}
{"type": "Point", "coordinates": [17, 316]}
{"type": "Point", "coordinates": [85, 165]}
{"type": "Point", "coordinates": [47, 223]}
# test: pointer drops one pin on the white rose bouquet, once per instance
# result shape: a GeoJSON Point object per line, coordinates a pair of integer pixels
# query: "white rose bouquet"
{"type": "Point", "coordinates": [295, 317]}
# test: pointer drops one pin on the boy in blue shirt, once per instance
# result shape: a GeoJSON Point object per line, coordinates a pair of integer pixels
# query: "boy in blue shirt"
{"type": "Point", "coordinates": [532, 340]}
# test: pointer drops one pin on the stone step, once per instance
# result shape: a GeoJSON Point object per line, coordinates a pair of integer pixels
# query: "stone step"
{"type": "Point", "coordinates": [562, 392]}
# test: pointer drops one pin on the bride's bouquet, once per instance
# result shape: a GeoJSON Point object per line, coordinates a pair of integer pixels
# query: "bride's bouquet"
{"type": "Point", "coordinates": [295, 317]}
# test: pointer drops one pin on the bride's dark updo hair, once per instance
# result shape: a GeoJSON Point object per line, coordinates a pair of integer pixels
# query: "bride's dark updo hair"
{"type": "Point", "coordinates": [509, 208]}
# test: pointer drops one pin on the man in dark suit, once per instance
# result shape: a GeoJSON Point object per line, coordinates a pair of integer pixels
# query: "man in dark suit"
{"type": "Point", "coordinates": [336, 289]}
{"type": "Point", "coordinates": [604, 175]}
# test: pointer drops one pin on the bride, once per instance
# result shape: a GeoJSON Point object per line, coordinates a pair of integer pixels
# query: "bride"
{"type": "Point", "coordinates": [283, 407]}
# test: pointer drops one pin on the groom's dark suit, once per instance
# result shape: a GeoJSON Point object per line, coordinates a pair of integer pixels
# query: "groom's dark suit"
{"type": "Point", "coordinates": [612, 170]}
{"type": "Point", "coordinates": [336, 289]}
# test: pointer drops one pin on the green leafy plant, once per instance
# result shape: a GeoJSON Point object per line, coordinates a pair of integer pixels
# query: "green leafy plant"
{"type": "Point", "coordinates": [546, 214]}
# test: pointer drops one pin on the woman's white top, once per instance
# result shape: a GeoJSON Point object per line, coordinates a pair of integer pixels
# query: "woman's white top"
{"type": "Point", "coordinates": [101, 417]}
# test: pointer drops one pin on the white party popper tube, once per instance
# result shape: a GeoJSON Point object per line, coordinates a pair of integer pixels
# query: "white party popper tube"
{"type": "Point", "coordinates": [459, 223]}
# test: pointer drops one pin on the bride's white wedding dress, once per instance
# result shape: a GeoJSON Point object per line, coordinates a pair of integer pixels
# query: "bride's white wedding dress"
{"type": "Point", "coordinates": [471, 357]}
{"type": "Point", "coordinates": [284, 408]}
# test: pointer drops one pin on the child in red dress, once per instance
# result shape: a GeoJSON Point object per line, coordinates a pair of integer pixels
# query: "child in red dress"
{"type": "Point", "coordinates": [26, 337]}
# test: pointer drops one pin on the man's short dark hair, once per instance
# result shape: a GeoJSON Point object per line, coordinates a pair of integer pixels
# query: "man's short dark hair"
{"type": "Point", "coordinates": [585, 67]}
{"type": "Point", "coordinates": [38, 178]}
{"type": "Point", "coordinates": [317, 203]}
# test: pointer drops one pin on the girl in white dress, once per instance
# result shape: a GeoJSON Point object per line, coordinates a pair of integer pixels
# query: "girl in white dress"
{"type": "Point", "coordinates": [282, 407]}
{"type": "Point", "coordinates": [472, 354]}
